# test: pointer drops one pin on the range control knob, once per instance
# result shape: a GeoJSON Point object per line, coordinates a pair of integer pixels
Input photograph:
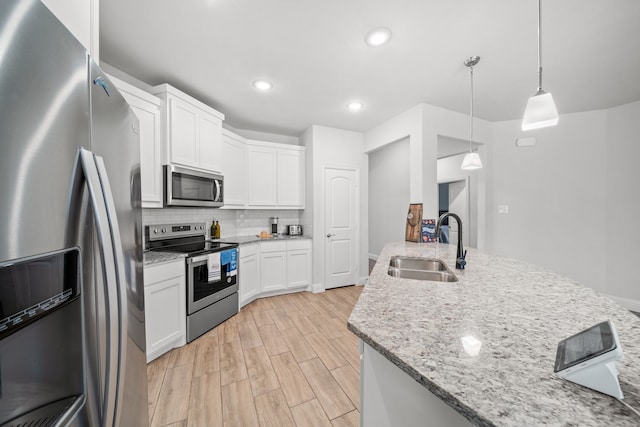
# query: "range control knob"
{"type": "Point", "coordinates": [155, 231]}
{"type": "Point", "coordinates": [164, 230]}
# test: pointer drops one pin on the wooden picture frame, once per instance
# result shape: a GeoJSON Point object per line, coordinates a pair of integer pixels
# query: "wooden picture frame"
{"type": "Point", "coordinates": [414, 223]}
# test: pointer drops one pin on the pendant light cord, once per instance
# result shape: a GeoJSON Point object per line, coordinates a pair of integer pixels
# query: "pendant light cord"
{"type": "Point", "coordinates": [471, 113]}
{"type": "Point", "coordinates": [539, 45]}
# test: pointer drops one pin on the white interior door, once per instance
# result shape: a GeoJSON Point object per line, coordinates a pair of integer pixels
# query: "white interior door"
{"type": "Point", "coordinates": [459, 205]}
{"type": "Point", "coordinates": [340, 197]}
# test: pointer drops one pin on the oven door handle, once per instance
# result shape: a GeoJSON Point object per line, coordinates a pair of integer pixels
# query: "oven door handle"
{"type": "Point", "coordinates": [197, 260]}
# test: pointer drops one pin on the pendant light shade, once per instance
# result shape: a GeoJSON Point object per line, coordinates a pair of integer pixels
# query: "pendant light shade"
{"type": "Point", "coordinates": [541, 110]}
{"type": "Point", "coordinates": [472, 160]}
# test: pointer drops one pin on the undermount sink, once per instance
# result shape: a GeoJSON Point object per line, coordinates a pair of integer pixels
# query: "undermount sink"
{"type": "Point", "coordinates": [415, 268]}
{"type": "Point", "coordinates": [411, 263]}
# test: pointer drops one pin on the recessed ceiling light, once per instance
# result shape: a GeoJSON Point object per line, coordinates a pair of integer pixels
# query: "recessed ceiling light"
{"type": "Point", "coordinates": [378, 37]}
{"type": "Point", "coordinates": [355, 106]}
{"type": "Point", "coordinates": [262, 85]}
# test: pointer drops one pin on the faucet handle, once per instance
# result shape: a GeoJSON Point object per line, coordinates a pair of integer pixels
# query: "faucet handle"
{"type": "Point", "coordinates": [461, 262]}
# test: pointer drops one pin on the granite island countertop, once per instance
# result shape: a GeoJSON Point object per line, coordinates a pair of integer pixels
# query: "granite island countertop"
{"type": "Point", "coordinates": [519, 312]}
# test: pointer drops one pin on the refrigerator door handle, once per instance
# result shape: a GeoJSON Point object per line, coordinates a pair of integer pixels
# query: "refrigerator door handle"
{"type": "Point", "coordinates": [121, 282]}
{"type": "Point", "coordinates": [112, 265]}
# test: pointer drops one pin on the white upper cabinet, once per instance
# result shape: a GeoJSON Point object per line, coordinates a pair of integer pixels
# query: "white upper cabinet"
{"type": "Point", "coordinates": [290, 178]}
{"type": "Point", "coordinates": [276, 175]}
{"type": "Point", "coordinates": [262, 163]}
{"type": "Point", "coordinates": [148, 110]}
{"type": "Point", "coordinates": [192, 130]}
{"type": "Point", "coordinates": [234, 149]}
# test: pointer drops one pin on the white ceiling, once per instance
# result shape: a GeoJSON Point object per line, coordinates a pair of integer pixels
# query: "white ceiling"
{"type": "Point", "coordinates": [314, 54]}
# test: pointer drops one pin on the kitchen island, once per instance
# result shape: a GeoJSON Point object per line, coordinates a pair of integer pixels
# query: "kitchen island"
{"type": "Point", "coordinates": [517, 311]}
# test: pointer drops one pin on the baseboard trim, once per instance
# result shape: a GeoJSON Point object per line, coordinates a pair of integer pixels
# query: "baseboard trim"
{"type": "Point", "coordinates": [317, 288]}
{"type": "Point", "coordinates": [629, 304]}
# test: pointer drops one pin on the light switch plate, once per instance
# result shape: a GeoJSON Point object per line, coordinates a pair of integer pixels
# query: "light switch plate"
{"type": "Point", "coordinates": [503, 209]}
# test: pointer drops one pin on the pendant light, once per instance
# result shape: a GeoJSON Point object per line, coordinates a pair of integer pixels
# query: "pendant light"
{"type": "Point", "coordinates": [471, 160]}
{"type": "Point", "coordinates": [541, 110]}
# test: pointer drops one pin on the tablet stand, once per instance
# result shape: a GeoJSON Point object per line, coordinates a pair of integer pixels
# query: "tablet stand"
{"type": "Point", "coordinates": [602, 377]}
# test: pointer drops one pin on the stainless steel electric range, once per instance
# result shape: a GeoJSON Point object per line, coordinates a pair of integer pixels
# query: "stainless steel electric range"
{"type": "Point", "coordinates": [211, 273]}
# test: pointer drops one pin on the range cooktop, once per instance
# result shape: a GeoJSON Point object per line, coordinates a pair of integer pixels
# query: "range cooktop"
{"type": "Point", "coordinates": [187, 239]}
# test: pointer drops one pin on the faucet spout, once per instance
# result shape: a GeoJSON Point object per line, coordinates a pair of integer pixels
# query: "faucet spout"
{"type": "Point", "coordinates": [461, 254]}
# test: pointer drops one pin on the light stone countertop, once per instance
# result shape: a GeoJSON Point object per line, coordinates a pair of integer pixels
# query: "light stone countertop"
{"type": "Point", "coordinates": [519, 312]}
{"type": "Point", "coordinates": [151, 257]}
{"type": "Point", "coordinates": [245, 240]}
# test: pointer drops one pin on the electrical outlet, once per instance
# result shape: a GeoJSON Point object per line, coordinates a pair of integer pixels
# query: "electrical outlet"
{"type": "Point", "coordinates": [503, 209]}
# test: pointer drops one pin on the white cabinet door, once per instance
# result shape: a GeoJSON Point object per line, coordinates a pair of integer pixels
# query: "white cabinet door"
{"type": "Point", "coordinates": [299, 263]}
{"type": "Point", "coordinates": [165, 308]}
{"type": "Point", "coordinates": [183, 138]}
{"type": "Point", "coordinates": [249, 273]}
{"type": "Point", "coordinates": [298, 268]}
{"type": "Point", "coordinates": [290, 178]}
{"type": "Point", "coordinates": [273, 266]}
{"type": "Point", "coordinates": [148, 110]}
{"type": "Point", "coordinates": [276, 175]}
{"type": "Point", "coordinates": [193, 130]}
{"type": "Point", "coordinates": [210, 137]}
{"type": "Point", "coordinates": [262, 176]}
{"type": "Point", "coordinates": [234, 170]}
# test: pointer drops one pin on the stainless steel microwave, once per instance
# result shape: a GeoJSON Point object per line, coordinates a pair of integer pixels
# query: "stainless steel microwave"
{"type": "Point", "coordinates": [189, 187]}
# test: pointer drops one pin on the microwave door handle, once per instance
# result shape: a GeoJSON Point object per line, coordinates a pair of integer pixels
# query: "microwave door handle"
{"type": "Point", "coordinates": [105, 245]}
{"type": "Point", "coordinates": [217, 196]}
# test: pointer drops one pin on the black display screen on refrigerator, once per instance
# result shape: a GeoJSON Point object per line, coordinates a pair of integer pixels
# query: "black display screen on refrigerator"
{"type": "Point", "coordinates": [33, 287]}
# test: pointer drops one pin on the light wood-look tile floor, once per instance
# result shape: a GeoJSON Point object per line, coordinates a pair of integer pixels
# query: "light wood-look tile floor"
{"type": "Point", "coordinates": [287, 360]}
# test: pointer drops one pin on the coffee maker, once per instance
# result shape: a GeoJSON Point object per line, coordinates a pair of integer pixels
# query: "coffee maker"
{"type": "Point", "coordinates": [274, 225]}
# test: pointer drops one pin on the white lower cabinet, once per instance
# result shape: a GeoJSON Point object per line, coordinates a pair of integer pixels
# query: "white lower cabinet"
{"type": "Point", "coordinates": [273, 266]}
{"type": "Point", "coordinates": [249, 270]}
{"type": "Point", "coordinates": [165, 307]}
{"type": "Point", "coordinates": [298, 263]}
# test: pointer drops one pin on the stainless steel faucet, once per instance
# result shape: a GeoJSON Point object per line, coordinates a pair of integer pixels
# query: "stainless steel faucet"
{"type": "Point", "coordinates": [461, 254]}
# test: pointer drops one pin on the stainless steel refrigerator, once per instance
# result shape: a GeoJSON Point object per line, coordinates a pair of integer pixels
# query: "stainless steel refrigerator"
{"type": "Point", "coordinates": [72, 336]}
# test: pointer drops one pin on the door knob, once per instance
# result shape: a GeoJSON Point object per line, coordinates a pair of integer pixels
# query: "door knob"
{"type": "Point", "coordinates": [330, 235]}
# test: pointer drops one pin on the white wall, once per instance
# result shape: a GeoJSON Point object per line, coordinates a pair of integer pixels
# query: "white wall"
{"type": "Point", "coordinates": [81, 17]}
{"type": "Point", "coordinates": [333, 147]}
{"type": "Point", "coordinates": [424, 125]}
{"type": "Point", "coordinates": [556, 193]}
{"type": "Point", "coordinates": [623, 204]}
{"type": "Point", "coordinates": [388, 195]}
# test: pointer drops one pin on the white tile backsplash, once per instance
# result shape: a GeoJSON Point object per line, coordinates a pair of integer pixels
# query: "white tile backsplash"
{"type": "Point", "coordinates": [233, 222]}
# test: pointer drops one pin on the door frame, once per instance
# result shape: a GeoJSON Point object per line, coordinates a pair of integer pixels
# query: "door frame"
{"type": "Point", "coordinates": [467, 183]}
{"type": "Point", "coordinates": [357, 231]}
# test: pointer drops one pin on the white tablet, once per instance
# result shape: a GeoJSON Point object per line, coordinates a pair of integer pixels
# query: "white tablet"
{"type": "Point", "coordinates": [588, 358]}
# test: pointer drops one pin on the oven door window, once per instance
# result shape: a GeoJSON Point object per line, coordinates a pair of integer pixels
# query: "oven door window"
{"type": "Point", "coordinates": [190, 187]}
{"type": "Point", "coordinates": [202, 287]}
